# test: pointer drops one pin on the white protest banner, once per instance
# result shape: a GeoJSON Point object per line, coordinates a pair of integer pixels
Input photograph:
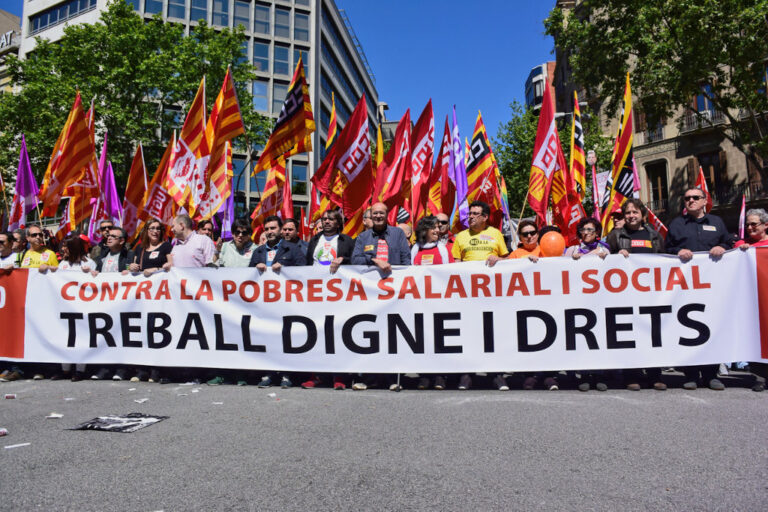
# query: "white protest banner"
{"type": "Point", "coordinates": [556, 314]}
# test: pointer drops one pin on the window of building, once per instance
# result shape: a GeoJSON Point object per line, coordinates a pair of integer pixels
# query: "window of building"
{"type": "Point", "coordinates": [243, 53]}
{"type": "Point", "coordinates": [299, 179]}
{"type": "Point", "coordinates": [282, 22]}
{"type": "Point", "coordinates": [198, 10]}
{"type": "Point", "coordinates": [304, 54]}
{"type": "Point", "coordinates": [177, 8]}
{"type": "Point", "coordinates": [242, 14]}
{"type": "Point", "coordinates": [702, 102]}
{"type": "Point", "coordinates": [260, 99]}
{"type": "Point", "coordinates": [302, 2]}
{"type": "Point", "coordinates": [715, 173]}
{"type": "Point", "coordinates": [153, 6]}
{"type": "Point", "coordinates": [282, 65]}
{"type": "Point", "coordinates": [279, 91]}
{"type": "Point", "coordinates": [657, 184]}
{"type": "Point", "coordinates": [133, 3]}
{"type": "Point", "coordinates": [60, 14]}
{"type": "Point", "coordinates": [220, 13]}
{"type": "Point", "coordinates": [261, 55]}
{"type": "Point", "coordinates": [301, 27]}
{"type": "Point", "coordinates": [238, 172]}
{"type": "Point", "coordinates": [261, 19]}
{"type": "Point", "coordinates": [257, 183]}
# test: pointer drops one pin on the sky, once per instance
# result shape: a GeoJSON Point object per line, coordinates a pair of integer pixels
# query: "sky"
{"type": "Point", "coordinates": [475, 55]}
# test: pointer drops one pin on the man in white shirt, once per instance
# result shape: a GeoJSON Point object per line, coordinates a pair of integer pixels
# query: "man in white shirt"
{"type": "Point", "coordinates": [7, 256]}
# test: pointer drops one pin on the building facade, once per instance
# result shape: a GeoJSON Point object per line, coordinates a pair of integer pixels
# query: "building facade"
{"type": "Point", "coordinates": [10, 40]}
{"type": "Point", "coordinates": [278, 32]}
{"type": "Point", "coordinates": [668, 155]}
{"type": "Point", "coordinates": [534, 84]}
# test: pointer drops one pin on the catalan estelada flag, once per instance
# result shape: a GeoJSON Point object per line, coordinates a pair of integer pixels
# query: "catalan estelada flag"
{"type": "Point", "coordinates": [74, 150]}
{"type": "Point", "coordinates": [293, 131]}
{"type": "Point", "coordinates": [622, 170]}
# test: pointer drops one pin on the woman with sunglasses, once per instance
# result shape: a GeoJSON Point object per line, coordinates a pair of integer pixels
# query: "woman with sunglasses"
{"type": "Point", "coordinates": [589, 240]}
{"type": "Point", "coordinates": [153, 252]}
{"type": "Point", "coordinates": [528, 233]}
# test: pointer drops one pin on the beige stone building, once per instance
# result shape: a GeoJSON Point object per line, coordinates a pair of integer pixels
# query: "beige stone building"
{"type": "Point", "coordinates": [10, 40]}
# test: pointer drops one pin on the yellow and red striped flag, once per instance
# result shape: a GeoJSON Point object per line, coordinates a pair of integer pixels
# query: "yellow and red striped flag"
{"type": "Point", "coordinates": [73, 151]}
{"type": "Point", "coordinates": [135, 190]}
{"type": "Point", "coordinates": [482, 174]}
{"type": "Point", "coordinates": [577, 163]}
{"type": "Point", "coordinates": [271, 197]}
{"type": "Point", "coordinates": [332, 124]}
{"type": "Point", "coordinates": [158, 203]}
{"type": "Point", "coordinates": [293, 131]}
{"type": "Point", "coordinates": [86, 189]}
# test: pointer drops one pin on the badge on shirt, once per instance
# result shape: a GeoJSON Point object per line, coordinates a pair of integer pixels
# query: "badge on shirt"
{"type": "Point", "coordinates": [427, 259]}
{"type": "Point", "coordinates": [368, 248]}
{"type": "Point", "coordinates": [154, 254]}
{"type": "Point", "coordinates": [25, 262]}
{"type": "Point", "coordinates": [248, 253]}
{"type": "Point", "coordinates": [44, 256]}
{"type": "Point", "coordinates": [642, 243]}
{"type": "Point", "coordinates": [709, 228]}
{"type": "Point", "coordinates": [485, 237]}
{"type": "Point", "coordinates": [271, 255]}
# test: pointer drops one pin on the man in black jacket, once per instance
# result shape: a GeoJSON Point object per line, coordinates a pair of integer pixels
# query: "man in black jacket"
{"type": "Point", "coordinates": [276, 253]}
{"type": "Point", "coordinates": [331, 247]}
{"type": "Point", "coordinates": [115, 258]}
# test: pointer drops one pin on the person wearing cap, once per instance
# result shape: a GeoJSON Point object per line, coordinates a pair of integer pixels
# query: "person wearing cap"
{"type": "Point", "coordinates": [698, 231]}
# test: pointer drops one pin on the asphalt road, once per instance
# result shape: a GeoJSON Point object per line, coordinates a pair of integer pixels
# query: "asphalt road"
{"type": "Point", "coordinates": [377, 450]}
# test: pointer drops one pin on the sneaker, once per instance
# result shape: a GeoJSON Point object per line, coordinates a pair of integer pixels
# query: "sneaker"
{"type": "Point", "coordinates": [440, 383]}
{"type": "Point", "coordinates": [529, 383]}
{"type": "Point", "coordinates": [633, 387]}
{"type": "Point", "coordinates": [285, 382]}
{"type": "Point", "coordinates": [141, 376]}
{"type": "Point", "coordinates": [4, 374]}
{"type": "Point", "coordinates": [216, 381]}
{"type": "Point", "coordinates": [59, 376]}
{"type": "Point", "coordinates": [338, 384]}
{"type": "Point", "coordinates": [154, 375]}
{"type": "Point", "coordinates": [716, 385]}
{"type": "Point", "coordinates": [13, 375]}
{"type": "Point", "coordinates": [601, 386]}
{"type": "Point", "coordinates": [758, 387]}
{"type": "Point", "coordinates": [310, 384]}
{"type": "Point", "coordinates": [690, 385]}
{"type": "Point", "coordinates": [38, 376]}
{"type": "Point", "coordinates": [77, 376]}
{"type": "Point", "coordinates": [242, 382]}
{"type": "Point", "coordinates": [501, 383]}
{"type": "Point", "coordinates": [423, 383]}
{"type": "Point", "coordinates": [102, 374]}
{"type": "Point", "coordinates": [135, 378]}
{"type": "Point", "coordinates": [359, 386]}
{"type": "Point", "coordinates": [119, 375]}
{"type": "Point", "coordinates": [395, 387]}
{"type": "Point", "coordinates": [465, 382]}
{"type": "Point", "coordinates": [164, 380]}
{"type": "Point", "coordinates": [584, 386]}
{"type": "Point", "coordinates": [659, 386]}
{"type": "Point", "coordinates": [551, 384]}
{"type": "Point", "coordinates": [266, 382]}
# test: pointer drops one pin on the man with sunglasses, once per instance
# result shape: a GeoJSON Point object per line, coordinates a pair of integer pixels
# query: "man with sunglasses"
{"type": "Point", "coordinates": [115, 258]}
{"type": "Point", "coordinates": [238, 251]}
{"type": "Point", "coordinates": [37, 255]}
{"type": "Point", "coordinates": [697, 231]}
{"type": "Point", "coordinates": [101, 248]}
{"type": "Point", "coordinates": [7, 256]}
{"type": "Point", "coordinates": [444, 226]}
{"type": "Point", "coordinates": [480, 242]}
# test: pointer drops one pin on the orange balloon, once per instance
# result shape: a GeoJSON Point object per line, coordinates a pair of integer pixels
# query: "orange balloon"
{"type": "Point", "coordinates": [552, 244]}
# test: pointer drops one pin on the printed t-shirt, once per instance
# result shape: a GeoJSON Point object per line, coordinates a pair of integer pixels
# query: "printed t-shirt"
{"type": "Point", "coordinates": [33, 259]}
{"type": "Point", "coordinates": [326, 250]}
{"type": "Point", "coordinates": [639, 241]}
{"type": "Point", "coordinates": [480, 245]}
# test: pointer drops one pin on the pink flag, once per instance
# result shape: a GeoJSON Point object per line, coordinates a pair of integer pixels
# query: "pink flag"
{"type": "Point", "coordinates": [742, 215]}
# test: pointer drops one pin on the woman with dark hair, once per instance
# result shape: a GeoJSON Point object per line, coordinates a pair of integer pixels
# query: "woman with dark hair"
{"type": "Point", "coordinates": [528, 233]}
{"type": "Point", "coordinates": [427, 250]}
{"type": "Point", "coordinates": [589, 230]}
{"type": "Point", "coordinates": [637, 237]}
{"type": "Point", "coordinates": [152, 254]}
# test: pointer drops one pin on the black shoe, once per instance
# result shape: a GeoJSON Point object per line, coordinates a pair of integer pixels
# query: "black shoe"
{"type": "Point", "coordinates": [77, 376]}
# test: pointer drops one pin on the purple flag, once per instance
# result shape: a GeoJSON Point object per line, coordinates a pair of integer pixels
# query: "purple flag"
{"type": "Point", "coordinates": [99, 212]}
{"type": "Point", "coordinates": [457, 171]}
{"type": "Point", "coordinates": [25, 199]}
{"type": "Point", "coordinates": [228, 209]}
{"type": "Point", "coordinates": [111, 200]}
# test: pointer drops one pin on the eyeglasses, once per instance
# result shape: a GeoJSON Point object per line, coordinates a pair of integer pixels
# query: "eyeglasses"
{"type": "Point", "coordinates": [106, 228]}
{"type": "Point", "coordinates": [753, 224]}
{"type": "Point", "coordinates": [3, 241]}
{"type": "Point", "coordinates": [587, 230]}
{"type": "Point", "coordinates": [692, 198]}
{"type": "Point", "coordinates": [156, 228]}
{"type": "Point", "coordinates": [34, 235]}
{"type": "Point", "coordinates": [240, 232]}
{"type": "Point", "coordinates": [443, 222]}
{"type": "Point", "coordinates": [528, 234]}
{"type": "Point", "coordinates": [114, 236]}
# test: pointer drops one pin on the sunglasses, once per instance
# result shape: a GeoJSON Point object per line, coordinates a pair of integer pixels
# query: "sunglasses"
{"type": "Point", "coordinates": [106, 228]}
{"type": "Point", "coordinates": [528, 233]}
{"type": "Point", "coordinates": [240, 232]}
{"type": "Point", "coordinates": [753, 224]}
{"type": "Point", "coordinates": [443, 222]}
{"type": "Point", "coordinates": [587, 230]}
{"type": "Point", "coordinates": [114, 236]}
{"type": "Point", "coordinates": [34, 235]}
{"type": "Point", "coordinates": [692, 198]}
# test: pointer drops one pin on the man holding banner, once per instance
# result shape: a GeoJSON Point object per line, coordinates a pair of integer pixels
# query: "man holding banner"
{"type": "Point", "coordinates": [695, 231]}
{"type": "Point", "coordinates": [382, 245]}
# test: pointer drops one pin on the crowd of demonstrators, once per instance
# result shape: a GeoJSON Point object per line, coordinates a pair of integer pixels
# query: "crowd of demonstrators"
{"type": "Point", "coordinates": [380, 246]}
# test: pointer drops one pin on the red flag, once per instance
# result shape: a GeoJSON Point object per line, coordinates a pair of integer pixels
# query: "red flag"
{"type": "Point", "coordinates": [353, 148]}
{"type": "Point", "coordinates": [393, 177]}
{"type": "Point", "coordinates": [577, 162]}
{"type": "Point", "coordinates": [306, 232]}
{"type": "Point", "coordinates": [483, 174]}
{"type": "Point", "coordinates": [158, 203]}
{"type": "Point", "coordinates": [547, 157]}
{"type": "Point", "coordinates": [423, 144]}
{"type": "Point", "coordinates": [286, 210]}
{"type": "Point", "coordinates": [271, 197]}
{"type": "Point", "coordinates": [442, 192]}
{"type": "Point", "coordinates": [657, 224]}
{"type": "Point", "coordinates": [701, 182]}
{"type": "Point", "coordinates": [135, 191]}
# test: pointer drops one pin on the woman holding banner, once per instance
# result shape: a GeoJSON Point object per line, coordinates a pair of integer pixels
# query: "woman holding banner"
{"type": "Point", "coordinates": [635, 237]}
{"type": "Point", "coordinates": [756, 227]}
{"type": "Point", "coordinates": [589, 230]}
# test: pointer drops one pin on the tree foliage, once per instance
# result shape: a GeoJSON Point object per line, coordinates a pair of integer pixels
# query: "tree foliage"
{"type": "Point", "coordinates": [137, 72]}
{"type": "Point", "coordinates": [513, 149]}
{"type": "Point", "coordinates": [675, 50]}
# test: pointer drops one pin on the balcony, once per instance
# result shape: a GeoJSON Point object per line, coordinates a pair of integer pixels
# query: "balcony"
{"type": "Point", "coordinates": [701, 120]}
{"type": "Point", "coordinates": [732, 194]}
{"type": "Point", "coordinates": [657, 205]}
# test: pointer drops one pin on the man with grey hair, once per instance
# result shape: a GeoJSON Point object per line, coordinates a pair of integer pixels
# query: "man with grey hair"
{"type": "Point", "coordinates": [192, 249]}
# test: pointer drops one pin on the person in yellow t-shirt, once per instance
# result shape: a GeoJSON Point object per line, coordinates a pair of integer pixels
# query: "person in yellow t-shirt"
{"type": "Point", "coordinates": [480, 242]}
{"type": "Point", "coordinates": [37, 256]}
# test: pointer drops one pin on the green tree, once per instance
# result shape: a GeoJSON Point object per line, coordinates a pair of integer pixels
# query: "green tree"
{"type": "Point", "coordinates": [141, 75]}
{"type": "Point", "coordinates": [675, 50]}
{"type": "Point", "coordinates": [513, 149]}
